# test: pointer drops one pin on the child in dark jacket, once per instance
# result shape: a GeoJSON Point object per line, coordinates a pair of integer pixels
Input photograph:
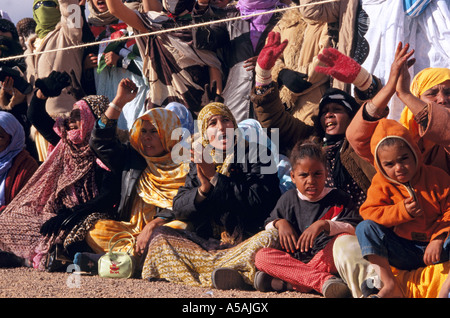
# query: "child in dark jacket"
{"type": "Point", "coordinates": [309, 219]}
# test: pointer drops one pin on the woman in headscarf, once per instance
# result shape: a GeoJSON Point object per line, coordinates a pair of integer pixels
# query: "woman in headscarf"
{"type": "Point", "coordinates": [16, 164]}
{"type": "Point", "coordinates": [427, 113]}
{"type": "Point", "coordinates": [111, 62]}
{"type": "Point", "coordinates": [175, 70]}
{"type": "Point", "coordinates": [58, 26]}
{"type": "Point", "coordinates": [150, 178]}
{"type": "Point", "coordinates": [223, 203]}
{"type": "Point", "coordinates": [30, 224]}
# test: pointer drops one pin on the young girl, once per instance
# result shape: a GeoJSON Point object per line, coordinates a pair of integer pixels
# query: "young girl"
{"type": "Point", "coordinates": [308, 220]}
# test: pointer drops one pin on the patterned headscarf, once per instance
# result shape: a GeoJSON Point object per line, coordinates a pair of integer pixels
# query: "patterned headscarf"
{"type": "Point", "coordinates": [222, 160]}
{"type": "Point", "coordinates": [160, 181]}
{"type": "Point", "coordinates": [423, 81]}
{"type": "Point", "coordinates": [65, 179]}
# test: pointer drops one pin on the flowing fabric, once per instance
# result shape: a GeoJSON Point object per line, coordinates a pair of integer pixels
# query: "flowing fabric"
{"type": "Point", "coordinates": [388, 24]}
{"type": "Point", "coordinates": [13, 128]}
{"type": "Point", "coordinates": [161, 179]}
{"type": "Point", "coordinates": [65, 179]}
{"type": "Point", "coordinates": [184, 258]}
{"type": "Point", "coordinates": [175, 70]}
{"type": "Point", "coordinates": [156, 187]}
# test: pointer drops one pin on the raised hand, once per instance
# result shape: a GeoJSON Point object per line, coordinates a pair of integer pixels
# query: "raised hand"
{"type": "Point", "coordinates": [271, 51]}
{"type": "Point", "coordinates": [52, 85]}
{"type": "Point", "coordinates": [338, 65]}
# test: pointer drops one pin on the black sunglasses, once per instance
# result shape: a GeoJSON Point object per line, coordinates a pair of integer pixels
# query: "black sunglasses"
{"type": "Point", "coordinates": [49, 4]}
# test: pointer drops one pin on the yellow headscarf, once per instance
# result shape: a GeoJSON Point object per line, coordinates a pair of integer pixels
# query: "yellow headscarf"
{"type": "Point", "coordinates": [423, 81]}
{"type": "Point", "coordinates": [222, 164]}
{"type": "Point", "coordinates": [161, 179]}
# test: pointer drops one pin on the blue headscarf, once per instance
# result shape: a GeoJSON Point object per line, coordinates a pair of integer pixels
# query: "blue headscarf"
{"type": "Point", "coordinates": [186, 119]}
{"type": "Point", "coordinates": [252, 129]}
{"type": "Point", "coordinates": [13, 128]}
{"type": "Point", "coordinates": [183, 114]}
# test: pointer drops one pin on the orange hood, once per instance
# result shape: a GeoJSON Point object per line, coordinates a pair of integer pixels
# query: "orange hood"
{"type": "Point", "coordinates": [388, 128]}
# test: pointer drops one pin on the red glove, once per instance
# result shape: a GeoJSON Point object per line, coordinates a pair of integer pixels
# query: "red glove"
{"type": "Point", "coordinates": [343, 68]}
{"type": "Point", "coordinates": [271, 51]}
{"type": "Point", "coordinates": [267, 58]}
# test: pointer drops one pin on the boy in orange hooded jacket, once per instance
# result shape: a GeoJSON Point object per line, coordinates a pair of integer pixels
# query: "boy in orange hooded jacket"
{"type": "Point", "coordinates": [407, 211]}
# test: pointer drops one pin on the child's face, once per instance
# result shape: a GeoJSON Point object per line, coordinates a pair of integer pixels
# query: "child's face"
{"type": "Point", "coordinates": [309, 176]}
{"type": "Point", "coordinates": [334, 119]}
{"type": "Point", "coordinates": [398, 162]}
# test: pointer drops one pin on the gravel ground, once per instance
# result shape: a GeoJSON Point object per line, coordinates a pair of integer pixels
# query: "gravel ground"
{"type": "Point", "coordinates": [29, 283]}
{"type": "Point", "coordinates": [28, 290]}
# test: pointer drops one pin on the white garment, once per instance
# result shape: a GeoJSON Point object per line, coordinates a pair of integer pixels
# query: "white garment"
{"type": "Point", "coordinates": [428, 34]}
{"type": "Point", "coordinates": [106, 83]}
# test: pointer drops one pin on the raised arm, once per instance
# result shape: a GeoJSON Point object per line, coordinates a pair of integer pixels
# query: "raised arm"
{"type": "Point", "coordinates": [122, 12]}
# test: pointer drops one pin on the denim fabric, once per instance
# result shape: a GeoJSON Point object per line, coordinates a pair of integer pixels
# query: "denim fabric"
{"type": "Point", "coordinates": [404, 254]}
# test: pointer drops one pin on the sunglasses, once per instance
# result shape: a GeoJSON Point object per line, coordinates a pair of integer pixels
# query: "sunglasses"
{"type": "Point", "coordinates": [49, 4]}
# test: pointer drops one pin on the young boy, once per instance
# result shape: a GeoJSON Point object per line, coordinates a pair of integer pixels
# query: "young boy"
{"type": "Point", "coordinates": [407, 211]}
{"type": "Point", "coordinates": [308, 220]}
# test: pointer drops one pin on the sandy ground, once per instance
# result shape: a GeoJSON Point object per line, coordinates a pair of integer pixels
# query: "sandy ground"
{"type": "Point", "coordinates": [29, 283]}
{"type": "Point", "coordinates": [31, 291]}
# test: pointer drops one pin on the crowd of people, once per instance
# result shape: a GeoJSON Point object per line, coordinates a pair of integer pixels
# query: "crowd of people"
{"type": "Point", "coordinates": [290, 171]}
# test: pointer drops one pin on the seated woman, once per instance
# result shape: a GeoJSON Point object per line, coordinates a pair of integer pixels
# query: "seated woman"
{"type": "Point", "coordinates": [16, 164]}
{"type": "Point", "coordinates": [76, 220]}
{"type": "Point", "coordinates": [228, 193]}
{"type": "Point", "coordinates": [150, 178]}
{"type": "Point", "coordinates": [66, 179]}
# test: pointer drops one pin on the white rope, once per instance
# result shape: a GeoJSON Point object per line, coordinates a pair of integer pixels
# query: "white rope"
{"type": "Point", "coordinates": [163, 31]}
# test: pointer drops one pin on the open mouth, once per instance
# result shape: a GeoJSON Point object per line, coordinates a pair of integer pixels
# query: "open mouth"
{"type": "Point", "coordinates": [101, 4]}
{"type": "Point", "coordinates": [311, 191]}
{"type": "Point", "coordinates": [330, 124]}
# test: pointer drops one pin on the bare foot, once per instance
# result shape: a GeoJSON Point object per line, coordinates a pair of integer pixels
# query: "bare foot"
{"type": "Point", "coordinates": [391, 290]}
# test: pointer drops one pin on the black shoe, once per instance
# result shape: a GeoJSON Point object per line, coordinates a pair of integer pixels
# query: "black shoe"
{"type": "Point", "coordinates": [263, 282]}
{"type": "Point", "coordinates": [227, 278]}
{"type": "Point", "coordinates": [266, 283]}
